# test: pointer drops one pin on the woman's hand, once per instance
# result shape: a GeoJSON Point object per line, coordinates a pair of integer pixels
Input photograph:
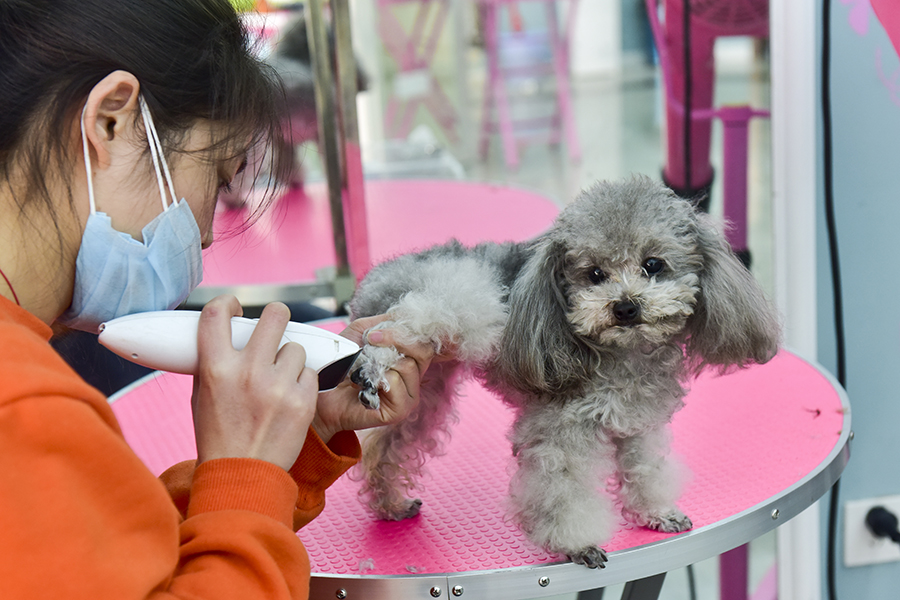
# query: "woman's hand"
{"type": "Point", "coordinates": [340, 409]}
{"type": "Point", "coordinates": [253, 403]}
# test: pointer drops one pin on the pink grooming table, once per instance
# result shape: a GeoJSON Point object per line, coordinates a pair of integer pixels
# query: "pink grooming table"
{"type": "Point", "coordinates": [291, 244]}
{"type": "Point", "coordinates": [762, 444]}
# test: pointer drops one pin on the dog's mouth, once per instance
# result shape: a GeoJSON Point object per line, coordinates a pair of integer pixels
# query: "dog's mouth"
{"type": "Point", "coordinates": [641, 335]}
{"type": "Point", "coordinates": [630, 321]}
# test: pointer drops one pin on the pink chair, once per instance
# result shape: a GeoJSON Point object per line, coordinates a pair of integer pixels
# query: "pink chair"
{"type": "Point", "coordinates": [689, 91]}
{"type": "Point", "coordinates": [414, 50]}
{"type": "Point", "coordinates": [562, 121]}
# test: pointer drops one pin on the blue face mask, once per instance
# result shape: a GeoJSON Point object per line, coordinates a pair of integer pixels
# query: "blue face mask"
{"type": "Point", "coordinates": [116, 275]}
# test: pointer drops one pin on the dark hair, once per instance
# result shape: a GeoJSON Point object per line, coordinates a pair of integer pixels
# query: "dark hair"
{"type": "Point", "coordinates": [193, 59]}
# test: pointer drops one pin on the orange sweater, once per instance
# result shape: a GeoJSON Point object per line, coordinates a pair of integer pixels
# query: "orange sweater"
{"type": "Point", "coordinates": [81, 517]}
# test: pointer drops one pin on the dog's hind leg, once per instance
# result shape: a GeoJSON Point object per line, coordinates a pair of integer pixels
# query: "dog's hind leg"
{"type": "Point", "coordinates": [650, 482]}
{"type": "Point", "coordinates": [394, 456]}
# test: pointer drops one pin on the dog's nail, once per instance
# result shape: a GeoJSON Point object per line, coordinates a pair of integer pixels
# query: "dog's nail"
{"type": "Point", "coordinates": [356, 376]}
{"type": "Point", "coordinates": [368, 397]}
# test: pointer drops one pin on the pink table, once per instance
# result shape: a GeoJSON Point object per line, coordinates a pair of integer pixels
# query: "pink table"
{"type": "Point", "coordinates": [762, 444]}
{"type": "Point", "coordinates": [290, 245]}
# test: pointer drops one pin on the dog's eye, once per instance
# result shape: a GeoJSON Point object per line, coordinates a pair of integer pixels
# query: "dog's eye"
{"type": "Point", "coordinates": [597, 276]}
{"type": "Point", "coordinates": [653, 266]}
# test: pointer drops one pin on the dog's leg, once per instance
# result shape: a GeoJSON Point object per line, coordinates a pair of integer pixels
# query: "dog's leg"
{"type": "Point", "coordinates": [394, 456]}
{"type": "Point", "coordinates": [650, 482]}
{"type": "Point", "coordinates": [554, 493]}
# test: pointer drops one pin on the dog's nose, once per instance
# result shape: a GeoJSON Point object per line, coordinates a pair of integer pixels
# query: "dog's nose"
{"type": "Point", "coordinates": [626, 311]}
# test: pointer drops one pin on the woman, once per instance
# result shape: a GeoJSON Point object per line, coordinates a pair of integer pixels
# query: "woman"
{"type": "Point", "coordinates": [119, 122]}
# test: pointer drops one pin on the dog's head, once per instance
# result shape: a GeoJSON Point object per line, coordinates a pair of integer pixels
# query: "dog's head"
{"type": "Point", "coordinates": [630, 266]}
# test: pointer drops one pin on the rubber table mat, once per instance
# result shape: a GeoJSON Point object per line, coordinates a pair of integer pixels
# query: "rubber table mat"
{"type": "Point", "coordinates": [745, 436]}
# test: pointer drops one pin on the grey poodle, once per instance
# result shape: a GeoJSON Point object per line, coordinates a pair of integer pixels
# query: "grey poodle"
{"type": "Point", "coordinates": [591, 332]}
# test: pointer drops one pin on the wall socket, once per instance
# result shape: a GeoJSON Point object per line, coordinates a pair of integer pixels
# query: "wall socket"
{"type": "Point", "coordinates": [860, 546]}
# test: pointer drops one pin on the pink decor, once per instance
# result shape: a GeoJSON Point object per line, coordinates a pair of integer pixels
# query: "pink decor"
{"type": "Point", "coordinates": [860, 10]}
{"type": "Point", "coordinates": [888, 12]}
{"type": "Point", "coordinates": [495, 87]}
{"type": "Point", "coordinates": [746, 437]}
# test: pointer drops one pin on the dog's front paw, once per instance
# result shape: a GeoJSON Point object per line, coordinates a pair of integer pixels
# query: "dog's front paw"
{"type": "Point", "coordinates": [593, 557]}
{"type": "Point", "coordinates": [371, 376]}
{"type": "Point", "coordinates": [368, 392]}
{"type": "Point", "coordinates": [670, 522]}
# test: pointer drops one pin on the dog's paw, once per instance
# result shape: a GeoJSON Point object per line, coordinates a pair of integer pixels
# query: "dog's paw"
{"type": "Point", "coordinates": [398, 512]}
{"type": "Point", "coordinates": [674, 521]}
{"type": "Point", "coordinates": [368, 392]}
{"type": "Point", "coordinates": [371, 376]}
{"type": "Point", "coordinates": [593, 557]}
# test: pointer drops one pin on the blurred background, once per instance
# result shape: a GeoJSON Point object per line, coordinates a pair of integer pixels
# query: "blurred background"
{"type": "Point", "coordinates": [428, 81]}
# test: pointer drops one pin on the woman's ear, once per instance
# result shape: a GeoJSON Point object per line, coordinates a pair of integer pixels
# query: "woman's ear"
{"type": "Point", "coordinates": [109, 117]}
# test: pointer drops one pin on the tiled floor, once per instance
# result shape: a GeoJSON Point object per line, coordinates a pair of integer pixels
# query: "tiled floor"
{"type": "Point", "coordinates": [618, 118]}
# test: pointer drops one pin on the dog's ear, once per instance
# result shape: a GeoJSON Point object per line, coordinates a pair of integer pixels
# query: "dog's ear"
{"type": "Point", "coordinates": [733, 324]}
{"type": "Point", "coordinates": [539, 350]}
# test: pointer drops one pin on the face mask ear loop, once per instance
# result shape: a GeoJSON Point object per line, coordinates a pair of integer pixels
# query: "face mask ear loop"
{"type": "Point", "coordinates": [87, 164]}
{"type": "Point", "coordinates": [156, 154]}
{"type": "Point", "coordinates": [162, 158]}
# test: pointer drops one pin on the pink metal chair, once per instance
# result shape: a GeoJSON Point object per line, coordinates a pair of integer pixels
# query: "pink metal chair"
{"type": "Point", "coordinates": [688, 169]}
{"type": "Point", "coordinates": [414, 50]}
{"type": "Point", "coordinates": [562, 122]}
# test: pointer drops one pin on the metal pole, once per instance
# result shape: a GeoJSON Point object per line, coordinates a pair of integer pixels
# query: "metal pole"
{"type": "Point", "coordinates": [328, 135]}
{"type": "Point", "coordinates": [352, 175]}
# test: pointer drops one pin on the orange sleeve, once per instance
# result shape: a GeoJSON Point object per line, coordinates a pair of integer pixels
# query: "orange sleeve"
{"type": "Point", "coordinates": [82, 518]}
{"type": "Point", "coordinates": [318, 466]}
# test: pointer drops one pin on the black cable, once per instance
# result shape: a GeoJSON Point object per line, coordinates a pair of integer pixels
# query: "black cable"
{"type": "Point", "coordinates": [692, 584]}
{"type": "Point", "coordinates": [831, 224]}
{"type": "Point", "coordinates": [829, 194]}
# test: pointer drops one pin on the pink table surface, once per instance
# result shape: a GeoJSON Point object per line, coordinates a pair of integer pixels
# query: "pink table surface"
{"type": "Point", "coordinates": [292, 239]}
{"type": "Point", "coordinates": [746, 437]}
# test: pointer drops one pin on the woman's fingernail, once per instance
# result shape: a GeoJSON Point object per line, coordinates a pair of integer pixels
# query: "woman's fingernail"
{"type": "Point", "coordinates": [375, 337]}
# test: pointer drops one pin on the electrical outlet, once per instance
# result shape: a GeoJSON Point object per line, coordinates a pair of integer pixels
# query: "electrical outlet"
{"type": "Point", "coordinates": [860, 546]}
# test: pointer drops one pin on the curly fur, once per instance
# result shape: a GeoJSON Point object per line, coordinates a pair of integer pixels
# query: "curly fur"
{"type": "Point", "coordinates": [591, 331]}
